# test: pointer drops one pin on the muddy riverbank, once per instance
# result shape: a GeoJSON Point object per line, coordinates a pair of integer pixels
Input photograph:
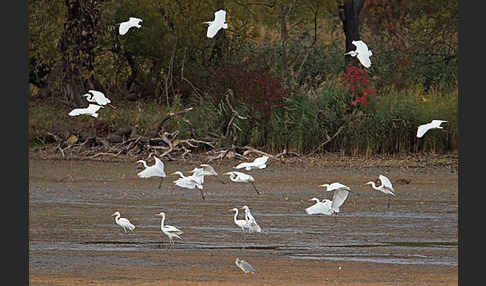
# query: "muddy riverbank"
{"type": "Point", "coordinates": [74, 241]}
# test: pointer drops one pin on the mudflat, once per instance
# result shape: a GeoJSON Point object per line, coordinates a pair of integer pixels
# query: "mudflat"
{"type": "Point", "coordinates": [74, 240]}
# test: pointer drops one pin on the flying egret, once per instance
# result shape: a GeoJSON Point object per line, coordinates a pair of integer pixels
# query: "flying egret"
{"type": "Point", "coordinates": [239, 177]}
{"type": "Point", "coordinates": [217, 24]}
{"type": "Point", "coordinates": [169, 230]}
{"type": "Point", "coordinates": [97, 97]}
{"type": "Point", "coordinates": [258, 163]}
{"type": "Point", "coordinates": [320, 207]}
{"type": "Point", "coordinates": [90, 110]}
{"type": "Point", "coordinates": [251, 223]}
{"type": "Point", "coordinates": [362, 52]}
{"type": "Point", "coordinates": [156, 170]}
{"type": "Point", "coordinates": [340, 194]}
{"type": "Point", "coordinates": [123, 222]}
{"type": "Point", "coordinates": [207, 170]}
{"type": "Point", "coordinates": [245, 266]}
{"type": "Point", "coordinates": [190, 182]}
{"type": "Point", "coordinates": [425, 127]}
{"type": "Point", "coordinates": [385, 187]}
{"type": "Point", "coordinates": [132, 22]}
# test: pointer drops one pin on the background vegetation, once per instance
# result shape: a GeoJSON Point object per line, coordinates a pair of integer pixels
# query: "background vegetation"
{"type": "Point", "coordinates": [267, 83]}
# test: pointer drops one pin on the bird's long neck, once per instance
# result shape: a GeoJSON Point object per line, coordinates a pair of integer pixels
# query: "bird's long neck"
{"type": "Point", "coordinates": [374, 186]}
{"type": "Point", "coordinates": [144, 163]}
{"type": "Point", "coordinates": [236, 214]}
{"type": "Point", "coordinates": [162, 221]}
{"type": "Point", "coordinates": [117, 217]}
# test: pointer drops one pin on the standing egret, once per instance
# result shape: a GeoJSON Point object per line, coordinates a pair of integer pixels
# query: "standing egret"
{"type": "Point", "coordinates": [426, 127]}
{"type": "Point", "coordinates": [258, 163]}
{"type": "Point", "coordinates": [132, 22]}
{"type": "Point", "coordinates": [385, 187]}
{"type": "Point", "coordinates": [241, 223]}
{"type": "Point", "coordinates": [207, 170]}
{"type": "Point", "coordinates": [239, 177]}
{"type": "Point", "coordinates": [156, 170]}
{"type": "Point", "coordinates": [245, 266]}
{"type": "Point", "coordinates": [124, 223]}
{"type": "Point", "coordinates": [217, 24]}
{"type": "Point", "coordinates": [362, 52]}
{"type": "Point", "coordinates": [169, 230]}
{"type": "Point", "coordinates": [90, 110]}
{"type": "Point", "coordinates": [251, 223]}
{"type": "Point", "coordinates": [190, 182]}
{"type": "Point", "coordinates": [340, 194]}
{"type": "Point", "coordinates": [320, 207]}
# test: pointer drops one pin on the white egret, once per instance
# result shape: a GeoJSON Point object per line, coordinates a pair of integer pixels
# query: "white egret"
{"type": "Point", "coordinates": [239, 177]}
{"type": "Point", "coordinates": [362, 52]}
{"type": "Point", "coordinates": [426, 127]}
{"type": "Point", "coordinates": [190, 182]}
{"type": "Point", "coordinates": [385, 187]}
{"type": "Point", "coordinates": [241, 223]}
{"type": "Point", "coordinates": [97, 97]}
{"type": "Point", "coordinates": [245, 266]}
{"type": "Point", "coordinates": [217, 24]}
{"type": "Point", "coordinates": [132, 22]}
{"type": "Point", "coordinates": [207, 170]}
{"type": "Point", "coordinates": [169, 230]}
{"type": "Point", "coordinates": [340, 194]}
{"type": "Point", "coordinates": [258, 163]}
{"type": "Point", "coordinates": [124, 223]}
{"type": "Point", "coordinates": [90, 110]}
{"type": "Point", "coordinates": [251, 223]}
{"type": "Point", "coordinates": [156, 170]}
{"type": "Point", "coordinates": [320, 207]}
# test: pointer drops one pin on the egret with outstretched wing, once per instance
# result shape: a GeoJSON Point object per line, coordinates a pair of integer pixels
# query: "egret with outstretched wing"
{"type": "Point", "coordinates": [91, 110]}
{"type": "Point", "coordinates": [132, 22]}
{"type": "Point", "coordinates": [422, 129]}
{"type": "Point", "coordinates": [217, 24]}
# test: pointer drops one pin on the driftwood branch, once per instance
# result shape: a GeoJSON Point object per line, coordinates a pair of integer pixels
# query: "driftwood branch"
{"type": "Point", "coordinates": [170, 116]}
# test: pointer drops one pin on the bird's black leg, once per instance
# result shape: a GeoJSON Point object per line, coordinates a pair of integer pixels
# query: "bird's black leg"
{"type": "Point", "coordinates": [388, 203]}
{"type": "Point", "coordinates": [202, 194]}
{"type": "Point", "coordinates": [160, 185]}
{"type": "Point", "coordinates": [258, 192]}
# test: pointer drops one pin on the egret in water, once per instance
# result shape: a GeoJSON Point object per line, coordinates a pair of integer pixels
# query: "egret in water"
{"type": "Point", "coordinates": [132, 22]}
{"type": "Point", "coordinates": [241, 223]}
{"type": "Point", "coordinates": [156, 170]}
{"type": "Point", "coordinates": [245, 266]}
{"type": "Point", "coordinates": [362, 52]}
{"type": "Point", "coordinates": [207, 170]}
{"type": "Point", "coordinates": [320, 207]}
{"type": "Point", "coordinates": [385, 187]}
{"type": "Point", "coordinates": [426, 127]}
{"type": "Point", "coordinates": [251, 223]}
{"type": "Point", "coordinates": [196, 180]}
{"type": "Point", "coordinates": [258, 163]}
{"type": "Point", "coordinates": [340, 194]}
{"type": "Point", "coordinates": [124, 223]}
{"type": "Point", "coordinates": [92, 110]}
{"type": "Point", "coordinates": [239, 177]}
{"type": "Point", "coordinates": [169, 230]}
{"type": "Point", "coordinates": [217, 24]}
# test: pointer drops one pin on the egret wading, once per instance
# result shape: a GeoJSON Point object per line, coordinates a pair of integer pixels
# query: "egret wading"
{"type": "Point", "coordinates": [251, 223]}
{"type": "Point", "coordinates": [170, 231]}
{"type": "Point", "coordinates": [196, 180]}
{"type": "Point", "coordinates": [244, 266]}
{"type": "Point", "coordinates": [124, 223]}
{"type": "Point", "coordinates": [386, 187]}
{"type": "Point", "coordinates": [239, 177]}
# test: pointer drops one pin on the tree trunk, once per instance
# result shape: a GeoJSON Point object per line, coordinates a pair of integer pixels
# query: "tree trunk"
{"type": "Point", "coordinates": [284, 38]}
{"type": "Point", "coordinates": [349, 14]}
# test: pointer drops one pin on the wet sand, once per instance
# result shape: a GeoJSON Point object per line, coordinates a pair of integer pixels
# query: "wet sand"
{"type": "Point", "coordinates": [74, 240]}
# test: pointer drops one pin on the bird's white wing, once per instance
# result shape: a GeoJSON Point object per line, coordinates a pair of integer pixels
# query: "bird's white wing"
{"type": "Point", "coordinates": [208, 170]}
{"type": "Point", "coordinates": [185, 183]}
{"type": "Point", "coordinates": [160, 166]}
{"type": "Point", "coordinates": [99, 97]}
{"type": "Point", "coordinates": [386, 182]}
{"type": "Point", "coordinates": [213, 29]}
{"type": "Point", "coordinates": [170, 228]}
{"type": "Point", "coordinates": [319, 208]}
{"type": "Point", "coordinates": [134, 20]}
{"type": "Point", "coordinates": [90, 110]}
{"type": "Point", "coordinates": [260, 161]}
{"type": "Point", "coordinates": [123, 29]}
{"type": "Point", "coordinates": [338, 198]}
{"type": "Point", "coordinates": [335, 186]}
{"type": "Point", "coordinates": [246, 165]}
{"type": "Point", "coordinates": [220, 17]}
{"type": "Point", "coordinates": [422, 129]}
{"type": "Point", "coordinates": [437, 123]}
{"type": "Point", "coordinates": [364, 59]}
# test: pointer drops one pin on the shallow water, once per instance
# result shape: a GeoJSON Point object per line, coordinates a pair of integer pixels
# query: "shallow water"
{"type": "Point", "coordinates": [71, 203]}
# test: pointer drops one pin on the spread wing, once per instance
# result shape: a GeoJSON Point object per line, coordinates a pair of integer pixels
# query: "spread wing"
{"type": "Point", "coordinates": [208, 170]}
{"type": "Point", "coordinates": [386, 182]}
{"type": "Point", "coordinates": [99, 97]}
{"type": "Point", "coordinates": [160, 166]}
{"type": "Point", "coordinates": [422, 129]}
{"type": "Point", "coordinates": [338, 199]}
{"type": "Point", "coordinates": [319, 208]}
{"type": "Point", "coordinates": [213, 29]}
{"type": "Point", "coordinates": [90, 110]}
{"type": "Point", "coordinates": [364, 59]}
{"type": "Point", "coordinates": [245, 165]}
{"type": "Point", "coordinates": [260, 161]}
{"type": "Point", "coordinates": [124, 26]}
{"type": "Point", "coordinates": [185, 183]}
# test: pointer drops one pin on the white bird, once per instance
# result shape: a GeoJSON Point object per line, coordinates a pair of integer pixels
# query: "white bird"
{"type": "Point", "coordinates": [206, 170]}
{"type": "Point", "coordinates": [190, 182]}
{"type": "Point", "coordinates": [385, 187]}
{"type": "Point", "coordinates": [258, 163]}
{"type": "Point", "coordinates": [132, 22]}
{"type": "Point", "coordinates": [426, 127]}
{"type": "Point", "coordinates": [97, 97]}
{"type": "Point", "coordinates": [217, 24]}
{"type": "Point", "coordinates": [241, 223]}
{"type": "Point", "coordinates": [169, 230]}
{"type": "Point", "coordinates": [239, 177]}
{"type": "Point", "coordinates": [245, 266]}
{"type": "Point", "coordinates": [320, 207]}
{"type": "Point", "coordinates": [90, 110]}
{"type": "Point", "coordinates": [340, 194]}
{"type": "Point", "coordinates": [362, 52]}
{"type": "Point", "coordinates": [123, 222]}
{"type": "Point", "coordinates": [251, 223]}
{"type": "Point", "coordinates": [156, 170]}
